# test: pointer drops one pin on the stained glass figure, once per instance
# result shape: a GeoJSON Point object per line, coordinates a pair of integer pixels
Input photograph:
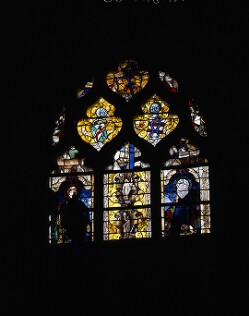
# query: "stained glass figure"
{"type": "Point", "coordinates": [198, 122]}
{"type": "Point", "coordinates": [70, 162]}
{"type": "Point", "coordinates": [72, 218]}
{"type": "Point", "coordinates": [169, 83]}
{"type": "Point", "coordinates": [58, 128]}
{"type": "Point", "coordinates": [156, 122]}
{"type": "Point", "coordinates": [127, 199]}
{"type": "Point", "coordinates": [83, 91]}
{"type": "Point", "coordinates": [101, 126]}
{"type": "Point", "coordinates": [128, 79]}
{"type": "Point", "coordinates": [185, 194]}
{"type": "Point", "coordinates": [184, 153]}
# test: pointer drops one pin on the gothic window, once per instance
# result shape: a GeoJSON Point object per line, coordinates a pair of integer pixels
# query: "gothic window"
{"type": "Point", "coordinates": [131, 160]}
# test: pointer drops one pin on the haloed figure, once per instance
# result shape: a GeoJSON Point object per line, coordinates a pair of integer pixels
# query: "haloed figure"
{"type": "Point", "coordinates": [182, 217]}
{"type": "Point", "coordinates": [75, 217]}
{"type": "Point", "coordinates": [98, 126]}
{"type": "Point", "coordinates": [156, 122]}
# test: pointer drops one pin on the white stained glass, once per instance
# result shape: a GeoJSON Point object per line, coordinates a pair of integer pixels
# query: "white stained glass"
{"type": "Point", "coordinates": [55, 182]}
{"type": "Point", "coordinates": [204, 195]}
{"type": "Point", "coordinates": [205, 219]}
{"type": "Point", "coordinates": [123, 189]}
{"type": "Point", "coordinates": [204, 171]}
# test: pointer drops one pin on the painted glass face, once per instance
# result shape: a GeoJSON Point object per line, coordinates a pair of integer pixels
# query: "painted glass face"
{"type": "Point", "coordinates": [182, 187]}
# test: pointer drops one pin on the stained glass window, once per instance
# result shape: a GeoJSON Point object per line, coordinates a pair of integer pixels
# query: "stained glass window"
{"type": "Point", "coordinates": [197, 118]}
{"type": "Point", "coordinates": [169, 83]}
{"type": "Point", "coordinates": [127, 80]}
{"type": "Point", "coordinates": [185, 194]}
{"type": "Point", "coordinates": [127, 196]}
{"type": "Point", "coordinates": [58, 130]}
{"type": "Point", "coordinates": [156, 122]}
{"type": "Point", "coordinates": [131, 190]}
{"type": "Point", "coordinates": [81, 92]}
{"type": "Point", "coordinates": [100, 126]}
{"type": "Point", "coordinates": [73, 186]}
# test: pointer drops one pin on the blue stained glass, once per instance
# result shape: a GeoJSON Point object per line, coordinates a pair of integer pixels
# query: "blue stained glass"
{"type": "Point", "coordinates": [132, 156]}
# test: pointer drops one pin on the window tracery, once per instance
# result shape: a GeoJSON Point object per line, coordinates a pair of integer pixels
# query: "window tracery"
{"type": "Point", "coordinates": [125, 207]}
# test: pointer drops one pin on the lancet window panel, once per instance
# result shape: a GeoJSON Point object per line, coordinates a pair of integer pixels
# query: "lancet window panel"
{"type": "Point", "coordinates": [72, 214]}
{"type": "Point", "coordinates": [185, 192]}
{"type": "Point", "coordinates": [127, 196]}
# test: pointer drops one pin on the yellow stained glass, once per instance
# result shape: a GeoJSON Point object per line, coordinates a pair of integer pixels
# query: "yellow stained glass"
{"type": "Point", "coordinates": [128, 79]}
{"type": "Point", "coordinates": [101, 126]}
{"type": "Point", "coordinates": [127, 188]}
{"type": "Point", "coordinates": [156, 122]}
{"type": "Point", "coordinates": [127, 196]}
{"type": "Point", "coordinates": [127, 224]}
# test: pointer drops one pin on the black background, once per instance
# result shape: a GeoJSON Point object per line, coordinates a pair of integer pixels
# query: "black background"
{"type": "Point", "coordinates": [50, 50]}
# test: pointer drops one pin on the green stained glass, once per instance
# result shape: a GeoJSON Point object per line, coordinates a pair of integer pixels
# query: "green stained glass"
{"type": "Point", "coordinates": [156, 122]}
{"type": "Point", "coordinates": [70, 161]}
{"type": "Point", "coordinates": [101, 126]}
{"type": "Point", "coordinates": [128, 79]}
